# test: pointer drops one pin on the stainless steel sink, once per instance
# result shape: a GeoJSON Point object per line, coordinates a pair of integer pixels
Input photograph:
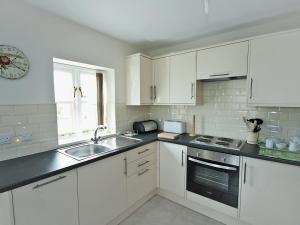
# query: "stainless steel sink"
{"type": "Point", "coordinates": [118, 142]}
{"type": "Point", "coordinates": [87, 150]}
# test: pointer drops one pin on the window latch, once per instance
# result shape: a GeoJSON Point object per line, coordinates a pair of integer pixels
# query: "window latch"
{"type": "Point", "coordinates": [74, 91]}
{"type": "Point", "coordinates": [80, 92]}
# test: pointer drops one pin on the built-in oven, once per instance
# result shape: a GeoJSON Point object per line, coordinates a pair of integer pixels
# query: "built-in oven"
{"type": "Point", "coordinates": [213, 175]}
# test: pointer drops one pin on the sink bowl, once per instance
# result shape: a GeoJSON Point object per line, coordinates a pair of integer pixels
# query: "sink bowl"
{"type": "Point", "coordinates": [118, 142]}
{"type": "Point", "coordinates": [87, 150]}
{"type": "Point", "coordinates": [84, 151]}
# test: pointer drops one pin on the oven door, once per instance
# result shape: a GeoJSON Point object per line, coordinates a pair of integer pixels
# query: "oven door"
{"type": "Point", "coordinates": [213, 180]}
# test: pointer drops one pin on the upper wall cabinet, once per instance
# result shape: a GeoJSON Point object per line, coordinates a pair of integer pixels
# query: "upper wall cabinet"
{"type": "Point", "coordinates": [275, 70]}
{"type": "Point", "coordinates": [139, 80]}
{"type": "Point", "coordinates": [223, 61]}
{"type": "Point", "coordinates": [183, 78]}
{"type": "Point", "coordinates": [161, 68]}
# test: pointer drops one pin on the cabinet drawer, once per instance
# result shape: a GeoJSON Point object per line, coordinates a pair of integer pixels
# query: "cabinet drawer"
{"type": "Point", "coordinates": [140, 164]}
{"type": "Point", "coordinates": [141, 152]}
{"type": "Point", "coordinates": [141, 184]}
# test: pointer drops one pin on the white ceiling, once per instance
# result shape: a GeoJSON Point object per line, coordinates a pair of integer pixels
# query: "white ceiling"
{"type": "Point", "coordinates": [155, 23]}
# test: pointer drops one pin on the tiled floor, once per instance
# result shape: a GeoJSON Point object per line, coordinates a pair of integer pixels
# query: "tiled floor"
{"type": "Point", "coordinates": [160, 211]}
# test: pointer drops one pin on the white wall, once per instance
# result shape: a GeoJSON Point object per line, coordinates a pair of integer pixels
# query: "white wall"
{"type": "Point", "coordinates": [43, 36]}
{"type": "Point", "coordinates": [27, 105]}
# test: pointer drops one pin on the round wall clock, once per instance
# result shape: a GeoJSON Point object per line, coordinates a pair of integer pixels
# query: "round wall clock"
{"type": "Point", "coordinates": [13, 62]}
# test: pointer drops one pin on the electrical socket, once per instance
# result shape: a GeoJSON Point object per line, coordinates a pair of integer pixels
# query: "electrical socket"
{"type": "Point", "coordinates": [6, 138]}
{"type": "Point", "coordinates": [26, 137]}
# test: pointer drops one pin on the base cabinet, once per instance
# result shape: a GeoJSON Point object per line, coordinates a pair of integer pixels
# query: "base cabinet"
{"type": "Point", "coordinates": [52, 201]}
{"type": "Point", "coordinates": [172, 166]}
{"type": "Point", "coordinates": [141, 172]}
{"type": "Point", "coordinates": [141, 184]}
{"type": "Point", "coordinates": [6, 209]}
{"type": "Point", "coordinates": [102, 191]}
{"type": "Point", "coordinates": [270, 193]}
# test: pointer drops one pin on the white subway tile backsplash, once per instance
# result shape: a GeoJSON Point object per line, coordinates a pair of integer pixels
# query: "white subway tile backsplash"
{"type": "Point", "coordinates": [224, 105]}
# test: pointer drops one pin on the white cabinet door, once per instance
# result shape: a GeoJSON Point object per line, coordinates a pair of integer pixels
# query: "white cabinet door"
{"type": "Point", "coordinates": [6, 209]}
{"type": "Point", "coordinates": [52, 201]}
{"type": "Point", "coordinates": [183, 78]}
{"type": "Point", "coordinates": [270, 193]}
{"type": "Point", "coordinates": [172, 165]}
{"type": "Point", "coordinates": [102, 191]}
{"type": "Point", "coordinates": [274, 70]}
{"type": "Point", "coordinates": [161, 68]}
{"type": "Point", "coordinates": [141, 184]}
{"type": "Point", "coordinates": [223, 61]}
{"type": "Point", "coordinates": [146, 81]}
{"type": "Point", "coordinates": [139, 80]}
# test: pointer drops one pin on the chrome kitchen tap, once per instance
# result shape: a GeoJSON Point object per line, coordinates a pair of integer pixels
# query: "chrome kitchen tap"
{"type": "Point", "coordinates": [97, 138]}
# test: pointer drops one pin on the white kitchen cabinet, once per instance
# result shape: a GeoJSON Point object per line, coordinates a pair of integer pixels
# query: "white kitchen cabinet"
{"type": "Point", "coordinates": [183, 78]}
{"type": "Point", "coordinates": [102, 190]}
{"type": "Point", "coordinates": [223, 61]}
{"type": "Point", "coordinates": [161, 67]}
{"type": "Point", "coordinates": [48, 202]}
{"type": "Point", "coordinates": [139, 80]}
{"type": "Point", "coordinates": [141, 183]}
{"type": "Point", "coordinates": [274, 70]}
{"type": "Point", "coordinates": [141, 172]}
{"type": "Point", "coordinates": [270, 193]}
{"type": "Point", "coordinates": [6, 209]}
{"type": "Point", "coordinates": [172, 164]}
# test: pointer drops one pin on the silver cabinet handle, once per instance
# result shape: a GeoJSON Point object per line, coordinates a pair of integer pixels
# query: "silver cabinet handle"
{"type": "Point", "coordinates": [49, 182]}
{"type": "Point", "coordinates": [141, 152]}
{"type": "Point", "coordinates": [212, 164]}
{"type": "Point", "coordinates": [154, 92]}
{"type": "Point", "coordinates": [144, 163]}
{"type": "Point", "coordinates": [219, 75]}
{"type": "Point", "coordinates": [125, 166]}
{"type": "Point", "coordinates": [192, 90]}
{"type": "Point", "coordinates": [182, 156]}
{"type": "Point", "coordinates": [251, 88]}
{"type": "Point", "coordinates": [145, 171]}
{"type": "Point", "coordinates": [151, 92]}
{"type": "Point", "coordinates": [245, 172]}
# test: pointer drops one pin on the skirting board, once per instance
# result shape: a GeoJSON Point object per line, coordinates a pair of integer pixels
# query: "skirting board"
{"type": "Point", "coordinates": [201, 209]}
{"type": "Point", "coordinates": [133, 208]}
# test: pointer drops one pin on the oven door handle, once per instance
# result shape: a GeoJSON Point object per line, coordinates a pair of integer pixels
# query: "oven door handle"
{"type": "Point", "coordinates": [212, 164]}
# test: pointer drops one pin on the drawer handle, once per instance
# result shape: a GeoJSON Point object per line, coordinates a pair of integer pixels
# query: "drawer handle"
{"type": "Point", "coordinates": [125, 165]}
{"type": "Point", "coordinates": [145, 171]}
{"type": "Point", "coordinates": [141, 152]}
{"type": "Point", "coordinates": [219, 75]}
{"type": "Point", "coordinates": [245, 172]}
{"type": "Point", "coordinates": [144, 163]}
{"type": "Point", "coordinates": [49, 182]}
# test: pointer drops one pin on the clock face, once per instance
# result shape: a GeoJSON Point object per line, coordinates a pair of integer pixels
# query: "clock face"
{"type": "Point", "coordinates": [13, 62]}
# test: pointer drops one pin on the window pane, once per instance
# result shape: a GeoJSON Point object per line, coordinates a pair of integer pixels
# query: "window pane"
{"type": "Point", "coordinates": [63, 84]}
{"type": "Point", "coordinates": [88, 85]}
{"type": "Point", "coordinates": [89, 117]}
{"type": "Point", "coordinates": [66, 119]}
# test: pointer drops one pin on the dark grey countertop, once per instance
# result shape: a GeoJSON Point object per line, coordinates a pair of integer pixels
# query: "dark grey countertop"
{"type": "Point", "coordinates": [21, 171]}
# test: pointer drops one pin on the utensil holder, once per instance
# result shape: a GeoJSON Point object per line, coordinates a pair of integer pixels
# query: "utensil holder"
{"type": "Point", "coordinates": [252, 138]}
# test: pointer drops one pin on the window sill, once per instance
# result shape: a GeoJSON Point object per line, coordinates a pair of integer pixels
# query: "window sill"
{"type": "Point", "coordinates": [78, 139]}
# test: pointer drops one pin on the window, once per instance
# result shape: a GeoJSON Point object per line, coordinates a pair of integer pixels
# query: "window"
{"type": "Point", "coordinates": [79, 100]}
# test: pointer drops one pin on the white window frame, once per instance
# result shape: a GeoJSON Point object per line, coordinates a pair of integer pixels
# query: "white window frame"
{"type": "Point", "coordinates": [77, 105]}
